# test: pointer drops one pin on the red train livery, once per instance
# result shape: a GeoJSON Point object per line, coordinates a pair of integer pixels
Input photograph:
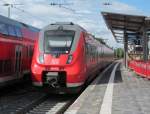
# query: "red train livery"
{"type": "Point", "coordinates": [16, 48]}
{"type": "Point", "coordinates": [66, 56]}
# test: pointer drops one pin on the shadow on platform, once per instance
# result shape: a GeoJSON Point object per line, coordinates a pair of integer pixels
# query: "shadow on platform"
{"type": "Point", "coordinates": [106, 76]}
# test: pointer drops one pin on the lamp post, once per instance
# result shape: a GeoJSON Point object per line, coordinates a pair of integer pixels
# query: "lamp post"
{"type": "Point", "coordinates": [9, 7]}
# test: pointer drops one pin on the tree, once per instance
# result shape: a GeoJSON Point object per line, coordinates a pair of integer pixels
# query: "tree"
{"type": "Point", "coordinates": [119, 53]}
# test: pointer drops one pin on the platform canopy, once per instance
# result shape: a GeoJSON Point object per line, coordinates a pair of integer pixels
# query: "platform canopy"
{"type": "Point", "coordinates": [123, 24]}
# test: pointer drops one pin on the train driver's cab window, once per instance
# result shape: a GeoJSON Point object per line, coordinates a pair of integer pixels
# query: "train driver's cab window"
{"type": "Point", "coordinates": [3, 29]}
{"type": "Point", "coordinates": [58, 41]}
{"type": "Point", "coordinates": [11, 30]}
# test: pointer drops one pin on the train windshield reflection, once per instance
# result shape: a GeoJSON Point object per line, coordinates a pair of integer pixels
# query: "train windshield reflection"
{"type": "Point", "coordinates": [58, 41]}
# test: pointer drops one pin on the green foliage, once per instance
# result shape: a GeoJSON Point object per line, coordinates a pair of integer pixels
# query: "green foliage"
{"type": "Point", "coordinates": [119, 53]}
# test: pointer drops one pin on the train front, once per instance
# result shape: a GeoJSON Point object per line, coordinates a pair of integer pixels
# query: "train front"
{"type": "Point", "coordinates": [59, 62]}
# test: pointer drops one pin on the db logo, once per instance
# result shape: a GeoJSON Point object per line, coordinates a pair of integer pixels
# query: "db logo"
{"type": "Point", "coordinates": [55, 61]}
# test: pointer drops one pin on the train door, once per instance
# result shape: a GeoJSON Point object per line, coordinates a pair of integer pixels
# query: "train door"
{"type": "Point", "coordinates": [18, 60]}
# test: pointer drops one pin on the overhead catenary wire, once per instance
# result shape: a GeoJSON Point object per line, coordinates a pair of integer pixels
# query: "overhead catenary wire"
{"type": "Point", "coordinates": [28, 13]}
{"type": "Point", "coordinates": [67, 8]}
{"type": "Point", "coordinates": [23, 11]}
{"type": "Point", "coordinates": [62, 5]}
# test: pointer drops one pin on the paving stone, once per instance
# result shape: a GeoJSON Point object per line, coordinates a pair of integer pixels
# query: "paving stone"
{"type": "Point", "coordinates": [131, 94]}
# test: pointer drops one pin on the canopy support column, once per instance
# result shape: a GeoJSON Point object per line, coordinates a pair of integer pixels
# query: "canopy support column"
{"type": "Point", "coordinates": [125, 49]}
{"type": "Point", "coordinates": [145, 45]}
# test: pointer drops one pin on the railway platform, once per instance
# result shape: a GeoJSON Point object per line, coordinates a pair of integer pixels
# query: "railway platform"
{"type": "Point", "coordinates": [115, 91]}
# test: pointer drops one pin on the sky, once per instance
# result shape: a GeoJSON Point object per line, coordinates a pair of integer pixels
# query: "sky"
{"type": "Point", "coordinates": [86, 13]}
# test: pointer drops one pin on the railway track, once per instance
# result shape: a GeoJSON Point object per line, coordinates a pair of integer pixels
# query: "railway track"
{"type": "Point", "coordinates": [53, 105]}
{"type": "Point", "coordinates": [27, 100]}
{"type": "Point", "coordinates": [30, 101]}
{"type": "Point", "coordinates": [19, 101]}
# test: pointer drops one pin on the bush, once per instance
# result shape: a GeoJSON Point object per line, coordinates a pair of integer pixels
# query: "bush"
{"type": "Point", "coordinates": [119, 53]}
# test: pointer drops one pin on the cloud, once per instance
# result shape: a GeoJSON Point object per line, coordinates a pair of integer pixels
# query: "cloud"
{"type": "Point", "coordinates": [120, 7]}
{"type": "Point", "coordinates": [87, 14]}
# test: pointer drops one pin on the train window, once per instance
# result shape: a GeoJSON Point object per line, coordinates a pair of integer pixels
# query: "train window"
{"type": "Point", "coordinates": [18, 32]}
{"type": "Point", "coordinates": [58, 41]}
{"type": "Point", "coordinates": [7, 66]}
{"type": "Point", "coordinates": [3, 29]}
{"type": "Point", "coordinates": [27, 52]}
{"type": "Point", "coordinates": [87, 51]}
{"type": "Point", "coordinates": [11, 30]}
{"type": "Point", "coordinates": [30, 51]}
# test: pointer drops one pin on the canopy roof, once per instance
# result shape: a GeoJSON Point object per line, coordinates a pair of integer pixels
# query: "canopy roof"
{"type": "Point", "coordinates": [123, 24]}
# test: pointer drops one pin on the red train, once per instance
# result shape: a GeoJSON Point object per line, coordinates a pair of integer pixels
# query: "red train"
{"type": "Point", "coordinates": [66, 56]}
{"type": "Point", "coordinates": [16, 47]}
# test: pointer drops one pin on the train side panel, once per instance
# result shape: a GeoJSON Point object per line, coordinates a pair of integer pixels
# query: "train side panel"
{"type": "Point", "coordinates": [14, 59]}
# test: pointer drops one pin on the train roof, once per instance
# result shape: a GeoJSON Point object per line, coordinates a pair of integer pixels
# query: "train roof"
{"type": "Point", "coordinates": [70, 25]}
{"type": "Point", "coordinates": [7, 20]}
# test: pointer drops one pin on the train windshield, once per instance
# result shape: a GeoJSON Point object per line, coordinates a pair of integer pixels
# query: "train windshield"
{"type": "Point", "coordinates": [58, 41]}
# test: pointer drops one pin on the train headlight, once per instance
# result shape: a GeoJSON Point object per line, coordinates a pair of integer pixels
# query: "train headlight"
{"type": "Point", "coordinates": [41, 58]}
{"type": "Point", "coordinates": [70, 57]}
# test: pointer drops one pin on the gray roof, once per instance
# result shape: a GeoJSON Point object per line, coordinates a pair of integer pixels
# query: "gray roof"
{"type": "Point", "coordinates": [68, 25]}
{"type": "Point", "coordinates": [119, 23]}
{"type": "Point", "coordinates": [9, 21]}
